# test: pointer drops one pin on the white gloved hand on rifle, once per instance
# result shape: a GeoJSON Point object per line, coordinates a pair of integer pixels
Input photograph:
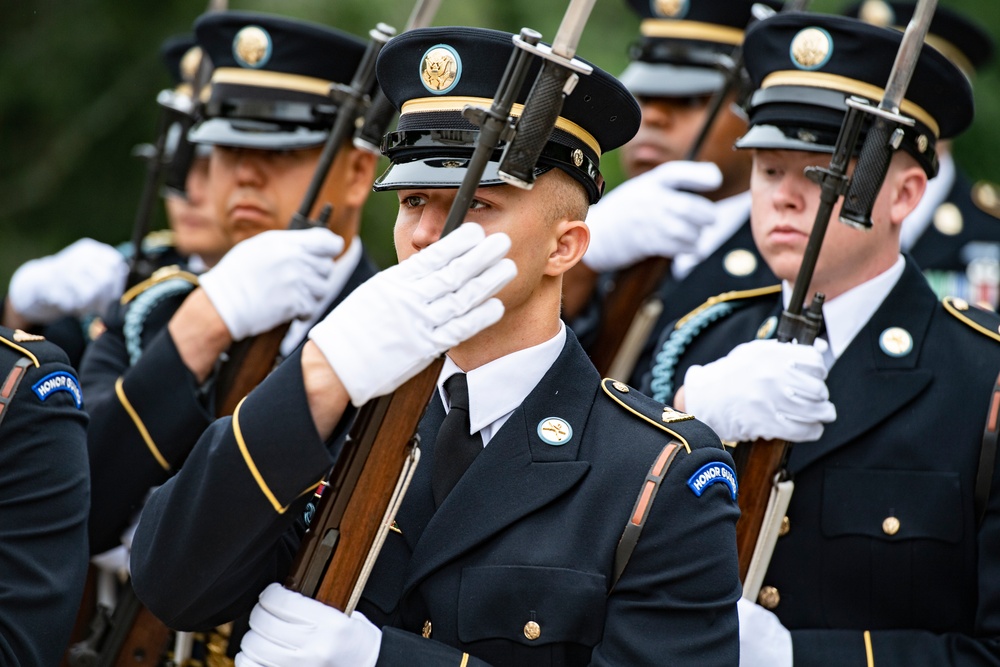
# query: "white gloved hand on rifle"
{"type": "Point", "coordinates": [763, 389]}
{"type": "Point", "coordinates": [764, 641]}
{"type": "Point", "coordinates": [396, 323]}
{"type": "Point", "coordinates": [272, 278]}
{"type": "Point", "coordinates": [83, 278]}
{"type": "Point", "coordinates": [651, 216]}
{"type": "Point", "coordinates": [287, 628]}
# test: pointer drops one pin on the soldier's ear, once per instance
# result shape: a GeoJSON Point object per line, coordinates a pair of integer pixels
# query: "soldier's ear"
{"type": "Point", "coordinates": [571, 240]}
{"type": "Point", "coordinates": [908, 182]}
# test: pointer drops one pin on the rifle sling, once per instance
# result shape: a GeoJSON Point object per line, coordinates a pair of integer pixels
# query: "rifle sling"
{"type": "Point", "coordinates": [640, 511]}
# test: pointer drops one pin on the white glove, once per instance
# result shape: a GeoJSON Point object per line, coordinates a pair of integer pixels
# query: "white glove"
{"type": "Point", "coordinates": [287, 629]}
{"type": "Point", "coordinates": [272, 278]}
{"type": "Point", "coordinates": [764, 641]}
{"type": "Point", "coordinates": [650, 216]}
{"type": "Point", "coordinates": [396, 323]}
{"type": "Point", "coordinates": [763, 389]}
{"type": "Point", "coordinates": [84, 277]}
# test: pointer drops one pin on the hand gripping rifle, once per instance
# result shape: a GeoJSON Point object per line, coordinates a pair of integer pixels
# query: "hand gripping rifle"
{"type": "Point", "coordinates": [367, 484]}
{"type": "Point", "coordinates": [250, 360]}
{"type": "Point", "coordinates": [765, 485]}
{"type": "Point", "coordinates": [631, 309]}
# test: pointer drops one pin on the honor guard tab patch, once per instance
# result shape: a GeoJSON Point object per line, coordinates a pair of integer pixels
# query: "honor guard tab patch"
{"type": "Point", "coordinates": [713, 473]}
{"type": "Point", "coordinates": [56, 382]}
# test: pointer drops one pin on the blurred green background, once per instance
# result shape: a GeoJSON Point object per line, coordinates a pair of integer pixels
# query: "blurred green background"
{"type": "Point", "coordinates": [78, 80]}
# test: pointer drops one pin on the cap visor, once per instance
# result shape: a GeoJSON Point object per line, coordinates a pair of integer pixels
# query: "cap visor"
{"type": "Point", "coordinates": [437, 173]}
{"type": "Point", "coordinates": [774, 138]}
{"type": "Point", "coordinates": [664, 80]}
{"type": "Point", "coordinates": [255, 134]}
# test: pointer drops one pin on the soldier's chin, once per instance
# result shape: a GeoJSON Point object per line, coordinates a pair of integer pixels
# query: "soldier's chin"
{"type": "Point", "coordinates": [241, 230]}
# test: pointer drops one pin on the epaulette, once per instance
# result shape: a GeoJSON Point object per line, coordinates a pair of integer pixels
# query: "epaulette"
{"type": "Point", "coordinates": [986, 196]}
{"type": "Point", "coordinates": [727, 297]}
{"type": "Point", "coordinates": [982, 320]}
{"type": "Point", "coordinates": [15, 338]}
{"type": "Point", "coordinates": [170, 281]}
{"type": "Point", "coordinates": [646, 409]}
{"type": "Point", "coordinates": [160, 275]}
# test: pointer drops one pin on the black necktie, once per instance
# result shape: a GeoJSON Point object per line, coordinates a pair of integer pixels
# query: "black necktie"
{"type": "Point", "coordinates": [454, 449]}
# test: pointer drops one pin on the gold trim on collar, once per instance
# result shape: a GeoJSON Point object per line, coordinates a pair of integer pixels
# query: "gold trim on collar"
{"type": "Point", "coordinates": [728, 296]}
{"type": "Point", "coordinates": [265, 79]}
{"type": "Point", "coordinates": [680, 438]}
{"type": "Point", "coordinates": [431, 104]}
{"type": "Point", "coordinates": [849, 86]}
{"type": "Point", "coordinates": [708, 32]}
{"type": "Point", "coordinates": [20, 349]}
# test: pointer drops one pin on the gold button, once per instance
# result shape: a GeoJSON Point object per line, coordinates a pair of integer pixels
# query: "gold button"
{"type": "Point", "coordinates": [786, 525]}
{"type": "Point", "coordinates": [620, 386]}
{"type": "Point", "coordinates": [532, 630]}
{"type": "Point", "coordinates": [426, 631]}
{"type": "Point", "coordinates": [890, 526]}
{"type": "Point", "coordinates": [769, 597]}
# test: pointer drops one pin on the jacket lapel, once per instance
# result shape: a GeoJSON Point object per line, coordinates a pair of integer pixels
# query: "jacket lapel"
{"type": "Point", "coordinates": [516, 474]}
{"type": "Point", "coordinates": [868, 385]}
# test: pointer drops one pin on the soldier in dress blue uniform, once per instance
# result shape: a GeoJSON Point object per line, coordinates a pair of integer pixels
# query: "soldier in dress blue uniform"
{"type": "Point", "coordinates": [44, 493]}
{"type": "Point", "coordinates": [149, 379]}
{"type": "Point", "coordinates": [954, 235]}
{"type": "Point", "coordinates": [683, 211]}
{"type": "Point", "coordinates": [888, 553]}
{"type": "Point", "coordinates": [512, 560]}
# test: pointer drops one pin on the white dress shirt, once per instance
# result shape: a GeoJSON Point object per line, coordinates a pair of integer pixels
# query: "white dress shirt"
{"type": "Point", "coordinates": [496, 389]}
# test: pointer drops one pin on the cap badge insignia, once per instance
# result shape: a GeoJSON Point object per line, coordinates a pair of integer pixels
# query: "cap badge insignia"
{"type": "Point", "coordinates": [739, 262]}
{"type": "Point", "coordinates": [811, 48]}
{"type": "Point", "coordinates": [877, 12]}
{"type": "Point", "coordinates": [767, 328]}
{"type": "Point", "coordinates": [555, 431]}
{"type": "Point", "coordinates": [948, 219]}
{"type": "Point", "coordinates": [252, 47]}
{"type": "Point", "coordinates": [671, 9]}
{"type": "Point", "coordinates": [189, 63]}
{"type": "Point", "coordinates": [896, 342]}
{"type": "Point", "coordinates": [440, 69]}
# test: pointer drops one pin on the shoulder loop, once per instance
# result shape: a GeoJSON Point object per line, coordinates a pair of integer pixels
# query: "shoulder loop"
{"type": "Point", "coordinates": [734, 295]}
{"type": "Point", "coordinates": [986, 196]}
{"type": "Point", "coordinates": [11, 344]}
{"type": "Point", "coordinates": [984, 321]}
{"type": "Point", "coordinates": [159, 276]}
{"type": "Point", "coordinates": [143, 305]}
{"type": "Point", "coordinates": [665, 361]}
{"type": "Point", "coordinates": [650, 411]}
{"type": "Point", "coordinates": [158, 240]}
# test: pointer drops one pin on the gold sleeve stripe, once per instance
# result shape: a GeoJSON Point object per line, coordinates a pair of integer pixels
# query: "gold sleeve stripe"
{"type": "Point", "coordinates": [238, 433]}
{"type": "Point", "coordinates": [23, 351]}
{"type": "Point", "coordinates": [850, 86]}
{"type": "Point", "coordinates": [153, 449]}
{"type": "Point", "coordinates": [465, 660]}
{"type": "Point", "coordinates": [868, 649]}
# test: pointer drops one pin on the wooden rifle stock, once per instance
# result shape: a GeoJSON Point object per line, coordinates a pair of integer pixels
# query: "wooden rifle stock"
{"type": "Point", "coordinates": [633, 288]}
{"type": "Point", "coordinates": [250, 361]}
{"type": "Point", "coordinates": [357, 507]}
{"type": "Point", "coordinates": [757, 463]}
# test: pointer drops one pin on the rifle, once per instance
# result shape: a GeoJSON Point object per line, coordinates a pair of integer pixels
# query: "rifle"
{"type": "Point", "coordinates": [631, 308]}
{"type": "Point", "coordinates": [761, 466]}
{"type": "Point", "coordinates": [250, 360]}
{"type": "Point", "coordinates": [378, 459]}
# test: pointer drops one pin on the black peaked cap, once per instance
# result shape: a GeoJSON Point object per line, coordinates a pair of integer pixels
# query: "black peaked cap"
{"type": "Point", "coordinates": [429, 75]}
{"type": "Point", "coordinates": [271, 79]}
{"type": "Point", "coordinates": [805, 66]}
